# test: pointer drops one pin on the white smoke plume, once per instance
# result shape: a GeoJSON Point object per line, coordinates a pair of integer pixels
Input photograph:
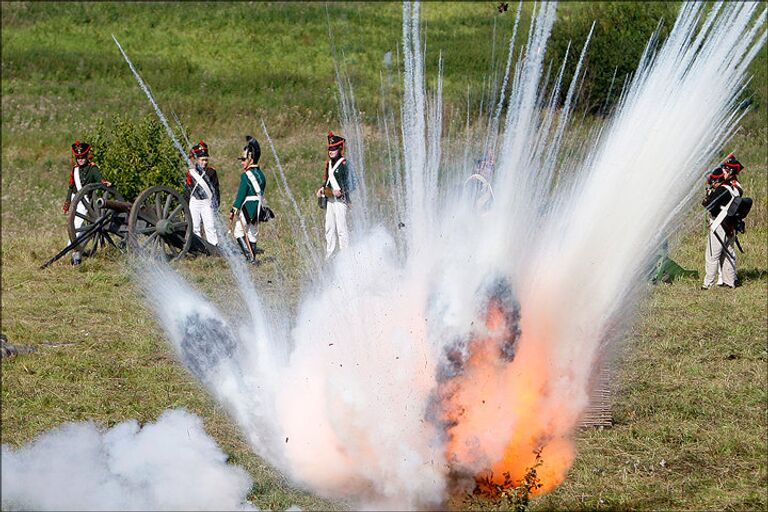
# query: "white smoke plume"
{"type": "Point", "coordinates": [409, 371]}
{"type": "Point", "coordinates": [169, 464]}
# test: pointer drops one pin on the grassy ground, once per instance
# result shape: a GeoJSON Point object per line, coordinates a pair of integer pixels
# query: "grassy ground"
{"type": "Point", "coordinates": [690, 390]}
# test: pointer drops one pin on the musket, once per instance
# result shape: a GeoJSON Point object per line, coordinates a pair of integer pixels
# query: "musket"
{"type": "Point", "coordinates": [245, 234]}
{"type": "Point", "coordinates": [236, 218]}
{"type": "Point", "coordinates": [232, 221]}
{"type": "Point", "coordinates": [725, 247]}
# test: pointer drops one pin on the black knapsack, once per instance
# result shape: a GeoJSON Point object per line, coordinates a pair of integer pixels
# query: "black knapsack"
{"type": "Point", "coordinates": [738, 210]}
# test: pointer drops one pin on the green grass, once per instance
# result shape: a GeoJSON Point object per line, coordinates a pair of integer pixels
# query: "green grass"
{"type": "Point", "coordinates": [690, 389]}
{"type": "Point", "coordinates": [100, 356]}
{"type": "Point", "coordinates": [689, 406]}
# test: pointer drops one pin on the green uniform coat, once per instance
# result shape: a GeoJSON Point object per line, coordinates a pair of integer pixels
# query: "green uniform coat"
{"type": "Point", "coordinates": [89, 173]}
{"type": "Point", "coordinates": [250, 207]}
{"type": "Point", "coordinates": [341, 173]}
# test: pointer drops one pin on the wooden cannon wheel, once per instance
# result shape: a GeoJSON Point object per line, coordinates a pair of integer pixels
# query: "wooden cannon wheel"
{"type": "Point", "coordinates": [160, 224]}
{"type": "Point", "coordinates": [86, 207]}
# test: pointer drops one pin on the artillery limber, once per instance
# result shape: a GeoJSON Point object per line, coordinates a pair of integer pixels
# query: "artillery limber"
{"type": "Point", "coordinates": [157, 223]}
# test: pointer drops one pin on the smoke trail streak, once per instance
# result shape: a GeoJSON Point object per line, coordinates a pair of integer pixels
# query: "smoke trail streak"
{"type": "Point", "coordinates": [309, 249]}
{"type": "Point", "coordinates": [494, 128]}
{"type": "Point", "coordinates": [181, 129]}
{"type": "Point", "coordinates": [352, 127]}
{"type": "Point", "coordinates": [543, 138]}
{"type": "Point", "coordinates": [557, 139]}
{"type": "Point", "coordinates": [604, 109]}
{"type": "Point", "coordinates": [145, 88]}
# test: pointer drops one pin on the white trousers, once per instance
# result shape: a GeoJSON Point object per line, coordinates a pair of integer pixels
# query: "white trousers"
{"type": "Point", "coordinates": [78, 223]}
{"type": "Point", "coordinates": [202, 212]}
{"type": "Point", "coordinates": [251, 229]}
{"type": "Point", "coordinates": [720, 259]}
{"type": "Point", "coordinates": [335, 226]}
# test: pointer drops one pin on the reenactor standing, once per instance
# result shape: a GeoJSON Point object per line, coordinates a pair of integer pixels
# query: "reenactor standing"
{"type": "Point", "coordinates": [335, 191]}
{"type": "Point", "coordinates": [478, 186]}
{"type": "Point", "coordinates": [250, 200]}
{"type": "Point", "coordinates": [83, 173]}
{"type": "Point", "coordinates": [201, 190]}
{"type": "Point", "coordinates": [727, 207]}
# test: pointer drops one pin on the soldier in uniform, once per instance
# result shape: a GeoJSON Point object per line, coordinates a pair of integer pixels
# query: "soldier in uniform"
{"type": "Point", "coordinates": [478, 185]}
{"type": "Point", "coordinates": [335, 189]}
{"type": "Point", "coordinates": [83, 173]}
{"type": "Point", "coordinates": [201, 190]}
{"type": "Point", "coordinates": [249, 201]}
{"type": "Point", "coordinates": [720, 256]}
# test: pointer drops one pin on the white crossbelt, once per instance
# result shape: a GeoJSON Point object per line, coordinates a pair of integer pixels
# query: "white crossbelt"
{"type": "Point", "coordinates": [78, 183]}
{"type": "Point", "coordinates": [255, 185]}
{"type": "Point", "coordinates": [200, 181]}
{"type": "Point", "coordinates": [257, 197]}
{"type": "Point", "coordinates": [724, 210]}
{"type": "Point", "coordinates": [332, 181]}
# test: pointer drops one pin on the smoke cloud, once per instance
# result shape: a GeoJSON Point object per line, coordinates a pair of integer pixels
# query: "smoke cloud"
{"type": "Point", "coordinates": [462, 343]}
{"type": "Point", "coordinates": [169, 464]}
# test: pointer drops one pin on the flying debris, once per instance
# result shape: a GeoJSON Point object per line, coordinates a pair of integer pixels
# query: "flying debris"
{"type": "Point", "coordinates": [503, 6]}
{"type": "Point", "coordinates": [498, 325]}
{"type": "Point", "coordinates": [205, 342]}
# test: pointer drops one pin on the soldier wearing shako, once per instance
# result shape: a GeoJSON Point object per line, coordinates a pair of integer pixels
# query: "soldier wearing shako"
{"type": "Point", "coordinates": [335, 190]}
{"type": "Point", "coordinates": [250, 199]}
{"type": "Point", "coordinates": [201, 190]}
{"type": "Point", "coordinates": [83, 173]}
{"type": "Point", "coordinates": [727, 207]}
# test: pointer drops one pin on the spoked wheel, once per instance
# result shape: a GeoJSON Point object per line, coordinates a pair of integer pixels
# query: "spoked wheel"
{"type": "Point", "coordinates": [160, 224]}
{"type": "Point", "coordinates": [85, 211]}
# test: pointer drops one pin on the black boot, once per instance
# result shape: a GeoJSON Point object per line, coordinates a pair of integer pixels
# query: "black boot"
{"type": "Point", "coordinates": [244, 247]}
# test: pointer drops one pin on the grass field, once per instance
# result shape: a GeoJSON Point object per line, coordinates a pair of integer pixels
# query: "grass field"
{"type": "Point", "coordinates": [690, 400]}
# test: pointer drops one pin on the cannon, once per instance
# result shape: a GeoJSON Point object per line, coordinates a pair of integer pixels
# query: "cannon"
{"type": "Point", "coordinates": [157, 223]}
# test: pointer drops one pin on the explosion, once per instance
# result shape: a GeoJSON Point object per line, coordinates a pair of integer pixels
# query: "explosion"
{"type": "Point", "coordinates": [499, 401]}
{"type": "Point", "coordinates": [457, 349]}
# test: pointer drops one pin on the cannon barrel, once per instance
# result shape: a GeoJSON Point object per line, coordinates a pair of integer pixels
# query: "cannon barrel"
{"type": "Point", "coordinates": [111, 204]}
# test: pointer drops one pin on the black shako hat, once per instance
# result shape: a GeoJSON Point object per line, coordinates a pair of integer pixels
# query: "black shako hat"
{"type": "Point", "coordinates": [251, 150]}
{"type": "Point", "coordinates": [200, 149]}
{"type": "Point", "coordinates": [335, 142]}
{"type": "Point", "coordinates": [732, 164]}
{"type": "Point", "coordinates": [716, 176]}
{"type": "Point", "coordinates": [81, 149]}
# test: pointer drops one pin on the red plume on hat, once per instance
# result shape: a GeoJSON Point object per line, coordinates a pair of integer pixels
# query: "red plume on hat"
{"type": "Point", "coordinates": [335, 142]}
{"type": "Point", "coordinates": [81, 149]}
{"type": "Point", "coordinates": [200, 149]}
{"type": "Point", "coordinates": [732, 164]}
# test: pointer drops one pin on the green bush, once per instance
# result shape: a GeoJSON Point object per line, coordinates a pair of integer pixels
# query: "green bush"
{"type": "Point", "coordinates": [136, 154]}
{"type": "Point", "coordinates": [622, 30]}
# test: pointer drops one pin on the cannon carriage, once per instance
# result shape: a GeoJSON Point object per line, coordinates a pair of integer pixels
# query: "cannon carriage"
{"type": "Point", "coordinates": [157, 223]}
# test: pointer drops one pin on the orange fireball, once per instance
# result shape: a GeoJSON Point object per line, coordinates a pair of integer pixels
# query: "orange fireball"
{"type": "Point", "coordinates": [500, 413]}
